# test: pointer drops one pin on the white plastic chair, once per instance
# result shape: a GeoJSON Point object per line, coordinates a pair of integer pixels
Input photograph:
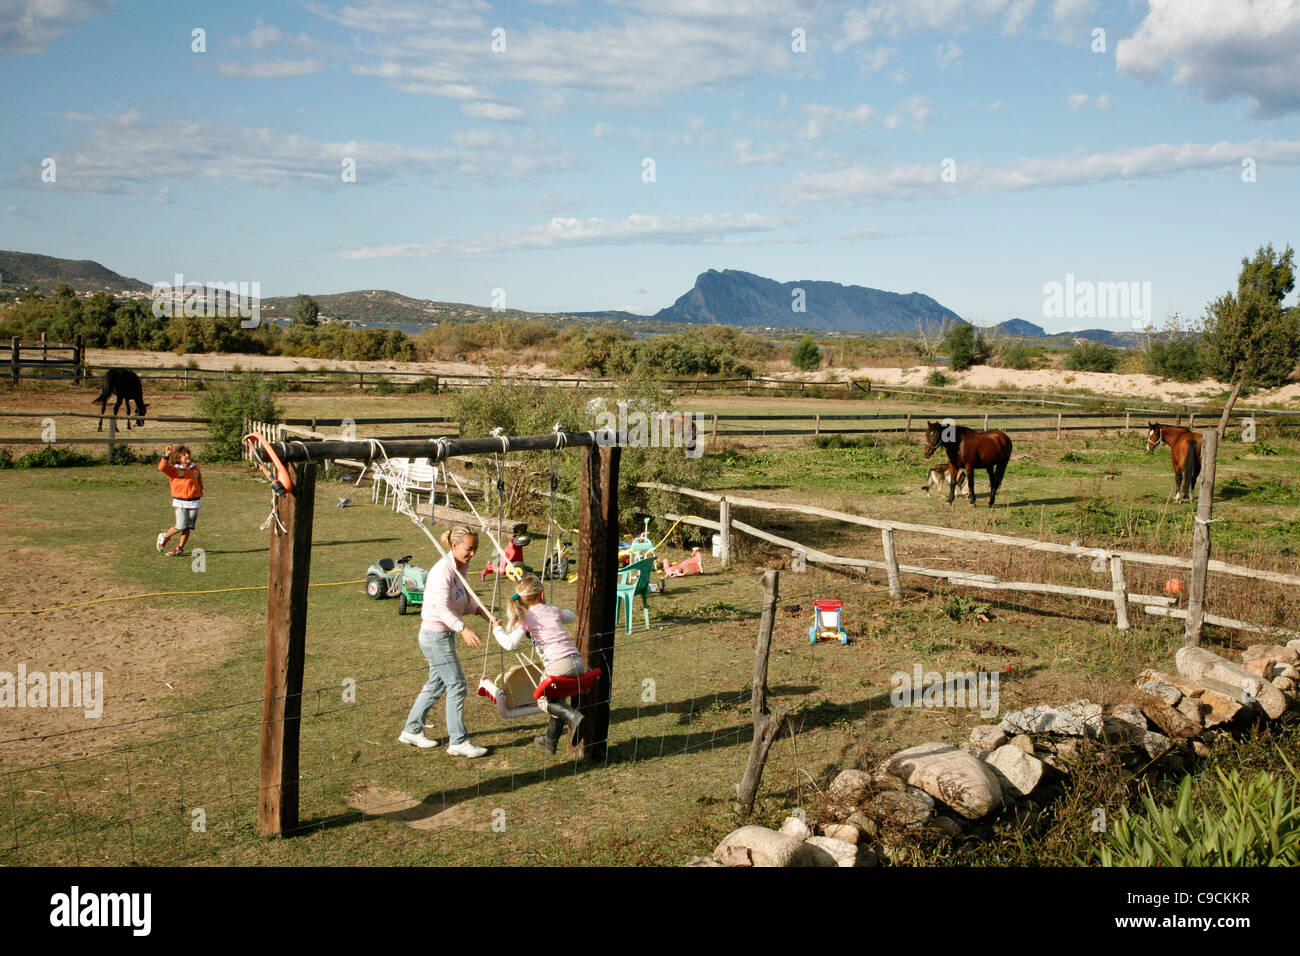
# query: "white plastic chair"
{"type": "Point", "coordinates": [395, 479]}
{"type": "Point", "coordinates": [419, 479]}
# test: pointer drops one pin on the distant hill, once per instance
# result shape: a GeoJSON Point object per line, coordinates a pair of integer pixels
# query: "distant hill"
{"type": "Point", "coordinates": [22, 270]}
{"type": "Point", "coordinates": [1020, 327]}
{"type": "Point", "coordinates": [739, 298]}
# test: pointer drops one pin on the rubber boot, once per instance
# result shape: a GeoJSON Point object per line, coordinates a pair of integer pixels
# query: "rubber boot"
{"type": "Point", "coordinates": [562, 714]}
{"type": "Point", "coordinates": [554, 726]}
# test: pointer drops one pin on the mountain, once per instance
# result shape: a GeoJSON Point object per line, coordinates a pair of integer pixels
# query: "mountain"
{"type": "Point", "coordinates": [22, 270]}
{"type": "Point", "coordinates": [738, 298]}
{"type": "Point", "coordinates": [1020, 327]}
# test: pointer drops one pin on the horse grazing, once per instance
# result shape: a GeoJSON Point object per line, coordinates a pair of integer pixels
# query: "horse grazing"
{"type": "Point", "coordinates": [1185, 449]}
{"type": "Point", "coordinates": [967, 450]}
{"type": "Point", "coordinates": [938, 477]}
{"type": "Point", "coordinates": [125, 384]}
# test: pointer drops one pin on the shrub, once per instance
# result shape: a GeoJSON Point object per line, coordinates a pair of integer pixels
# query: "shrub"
{"type": "Point", "coordinates": [960, 345]}
{"type": "Point", "coordinates": [1177, 360]}
{"type": "Point", "coordinates": [1020, 356]}
{"type": "Point", "coordinates": [229, 403]}
{"type": "Point", "coordinates": [807, 356]}
{"type": "Point", "coordinates": [427, 385]}
{"type": "Point", "coordinates": [55, 456]}
{"type": "Point", "coordinates": [6, 459]}
{"type": "Point", "coordinates": [937, 378]}
{"type": "Point", "coordinates": [1091, 357]}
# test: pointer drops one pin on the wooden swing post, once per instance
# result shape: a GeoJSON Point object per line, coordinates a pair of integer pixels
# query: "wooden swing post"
{"type": "Point", "coordinates": [597, 591]}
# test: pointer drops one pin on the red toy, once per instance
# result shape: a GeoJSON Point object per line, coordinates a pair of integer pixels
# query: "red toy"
{"type": "Point", "coordinates": [691, 565]}
{"type": "Point", "coordinates": [512, 563]}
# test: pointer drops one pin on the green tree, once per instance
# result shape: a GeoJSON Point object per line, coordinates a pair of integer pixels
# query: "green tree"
{"type": "Point", "coordinates": [1091, 357]}
{"type": "Point", "coordinates": [306, 311]}
{"type": "Point", "coordinates": [1250, 337]}
{"type": "Point", "coordinates": [960, 345]}
{"type": "Point", "coordinates": [229, 404]}
{"type": "Point", "coordinates": [807, 356]}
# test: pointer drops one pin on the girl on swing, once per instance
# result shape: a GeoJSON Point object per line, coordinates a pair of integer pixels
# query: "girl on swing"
{"type": "Point", "coordinates": [543, 624]}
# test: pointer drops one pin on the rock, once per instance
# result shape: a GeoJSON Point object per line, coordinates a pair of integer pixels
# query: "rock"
{"type": "Point", "coordinates": [1222, 708]}
{"type": "Point", "coordinates": [1021, 772]}
{"type": "Point", "coordinates": [1283, 654]}
{"type": "Point", "coordinates": [1193, 709]}
{"type": "Point", "coordinates": [899, 854]}
{"type": "Point", "coordinates": [766, 848]}
{"type": "Point", "coordinates": [796, 827]}
{"type": "Point", "coordinates": [987, 737]}
{"type": "Point", "coordinates": [1167, 692]}
{"type": "Point", "coordinates": [1287, 685]}
{"type": "Point", "coordinates": [733, 856]}
{"type": "Point", "coordinates": [867, 857]}
{"type": "Point", "coordinates": [1284, 670]}
{"type": "Point", "coordinates": [841, 853]}
{"type": "Point", "coordinates": [1067, 750]}
{"type": "Point", "coordinates": [845, 832]}
{"type": "Point", "coordinates": [1022, 742]}
{"type": "Point", "coordinates": [896, 811]}
{"type": "Point", "coordinates": [1294, 645]}
{"type": "Point", "coordinates": [709, 861]}
{"type": "Point", "coordinates": [946, 773]}
{"type": "Point", "coordinates": [866, 826]}
{"type": "Point", "coordinates": [948, 826]}
{"type": "Point", "coordinates": [919, 794]}
{"type": "Point", "coordinates": [850, 786]}
{"type": "Point", "coordinates": [1188, 688]}
{"type": "Point", "coordinates": [1169, 720]}
{"type": "Point", "coordinates": [1124, 724]}
{"type": "Point", "coordinates": [1200, 748]}
{"type": "Point", "coordinates": [1155, 744]}
{"type": "Point", "coordinates": [1261, 667]}
{"type": "Point", "coordinates": [1075, 719]}
{"type": "Point", "coordinates": [1228, 678]}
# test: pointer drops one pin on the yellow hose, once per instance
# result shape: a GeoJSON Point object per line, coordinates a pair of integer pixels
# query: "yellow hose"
{"type": "Point", "coordinates": [135, 597]}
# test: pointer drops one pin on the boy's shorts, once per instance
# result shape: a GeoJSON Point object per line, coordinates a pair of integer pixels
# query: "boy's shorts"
{"type": "Point", "coordinates": [186, 518]}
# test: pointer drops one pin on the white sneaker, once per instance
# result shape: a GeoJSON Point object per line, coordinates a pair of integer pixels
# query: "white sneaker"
{"type": "Point", "coordinates": [162, 540]}
{"type": "Point", "coordinates": [416, 740]}
{"type": "Point", "coordinates": [466, 749]}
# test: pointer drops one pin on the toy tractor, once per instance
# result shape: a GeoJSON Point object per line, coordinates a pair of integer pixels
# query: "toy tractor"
{"type": "Point", "coordinates": [400, 579]}
{"type": "Point", "coordinates": [826, 621]}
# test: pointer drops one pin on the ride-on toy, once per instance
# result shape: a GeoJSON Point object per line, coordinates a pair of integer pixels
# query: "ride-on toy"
{"type": "Point", "coordinates": [511, 563]}
{"type": "Point", "coordinates": [400, 579]}
{"type": "Point", "coordinates": [826, 621]}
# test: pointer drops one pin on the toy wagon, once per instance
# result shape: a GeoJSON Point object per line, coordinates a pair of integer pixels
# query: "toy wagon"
{"type": "Point", "coordinates": [826, 621]}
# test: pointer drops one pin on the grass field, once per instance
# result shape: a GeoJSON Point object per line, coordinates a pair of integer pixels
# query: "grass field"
{"type": "Point", "coordinates": [180, 727]}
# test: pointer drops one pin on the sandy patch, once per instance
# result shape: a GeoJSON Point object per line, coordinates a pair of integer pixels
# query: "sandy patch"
{"type": "Point", "coordinates": [430, 814]}
{"type": "Point", "coordinates": [287, 363]}
{"type": "Point", "coordinates": [142, 651]}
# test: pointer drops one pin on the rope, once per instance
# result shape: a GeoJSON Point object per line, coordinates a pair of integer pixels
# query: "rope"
{"type": "Point", "coordinates": [404, 507]}
{"type": "Point", "coordinates": [136, 597]}
{"type": "Point", "coordinates": [274, 516]}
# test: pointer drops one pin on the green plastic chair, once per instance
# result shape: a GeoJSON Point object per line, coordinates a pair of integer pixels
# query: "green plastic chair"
{"type": "Point", "coordinates": [634, 580]}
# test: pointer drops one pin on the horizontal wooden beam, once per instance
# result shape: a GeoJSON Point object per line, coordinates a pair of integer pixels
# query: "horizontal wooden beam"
{"type": "Point", "coordinates": [437, 449]}
{"type": "Point", "coordinates": [1228, 622]}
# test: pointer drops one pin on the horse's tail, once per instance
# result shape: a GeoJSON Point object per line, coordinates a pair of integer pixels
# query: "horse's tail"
{"type": "Point", "coordinates": [1194, 466]}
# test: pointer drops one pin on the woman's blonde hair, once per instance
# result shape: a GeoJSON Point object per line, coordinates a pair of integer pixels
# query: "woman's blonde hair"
{"type": "Point", "coordinates": [528, 590]}
{"type": "Point", "coordinates": [456, 534]}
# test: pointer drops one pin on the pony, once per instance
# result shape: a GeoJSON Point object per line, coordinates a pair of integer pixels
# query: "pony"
{"type": "Point", "coordinates": [968, 449]}
{"type": "Point", "coordinates": [938, 477]}
{"type": "Point", "coordinates": [125, 384]}
{"type": "Point", "coordinates": [1185, 450]}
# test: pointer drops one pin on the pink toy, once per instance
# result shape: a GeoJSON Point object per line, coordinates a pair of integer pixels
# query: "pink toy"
{"type": "Point", "coordinates": [691, 565]}
{"type": "Point", "coordinates": [514, 557]}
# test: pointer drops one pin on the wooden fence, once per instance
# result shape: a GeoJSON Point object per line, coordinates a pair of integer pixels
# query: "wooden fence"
{"type": "Point", "coordinates": [42, 360]}
{"type": "Point", "coordinates": [1110, 560]}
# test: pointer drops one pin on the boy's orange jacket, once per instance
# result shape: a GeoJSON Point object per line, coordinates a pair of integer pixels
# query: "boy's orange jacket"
{"type": "Point", "coordinates": [187, 483]}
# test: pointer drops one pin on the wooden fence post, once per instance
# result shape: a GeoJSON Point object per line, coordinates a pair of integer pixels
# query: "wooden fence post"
{"type": "Point", "coordinates": [907, 429]}
{"type": "Point", "coordinates": [767, 723]}
{"type": "Point", "coordinates": [1191, 421]}
{"type": "Point", "coordinates": [112, 436]}
{"type": "Point", "coordinates": [986, 421]}
{"type": "Point", "coordinates": [891, 562]}
{"type": "Point", "coordinates": [596, 608]}
{"type": "Point", "coordinates": [1121, 592]}
{"type": "Point", "coordinates": [817, 424]}
{"type": "Point", "coordinates": [1058, 426]}
{"type": "Point", "coordinates": [713, 434]}
{"type": "Point", "coordinates": [286, 642]}
{"type": "Point", "coordinates": [13, 363]}
{"type": "Point", "coordinates": [724, 519]}
{"type": "Point", "coordinates": [1201, 541]}
{"type": "Point", "coordinates": [1126, 424]}
{"type": "Point", "coordinates": [79, 375]}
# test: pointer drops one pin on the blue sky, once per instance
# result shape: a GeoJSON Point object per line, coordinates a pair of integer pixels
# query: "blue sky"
{"type": "Point", "coordinates": [523, 168]}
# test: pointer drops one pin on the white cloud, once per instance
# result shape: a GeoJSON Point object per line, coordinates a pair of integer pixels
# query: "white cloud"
{"type": "Point", "coordinates": [29, 26]}
{"type": "Point", "coordinates": [1077, 101]}
{"type": "Point", "coordinates": [130, 153]}
{"type": "Point", "coordinates": [270, 69]}
{"type": "Point", "coordinates": [1225, 48]}
{"type": "Point", "coordinates": [566, 232]}
{"type": "Point", "coordinates": [877, 59]}
{"type": "Point", "coordinates": [1071, 19]}
{"type": "Point", "coordinates": [915, 109]}
{"type": "Point", "coordinates": [894, 18]}
{"type": "Point", "coordinates": [824, 119]}
{"type": "Point", "coordinates": [864, 184]}
{"type": "Point", "coordinates": [492, 111]}
{"type": "Point", "coordinates": [946, 54]}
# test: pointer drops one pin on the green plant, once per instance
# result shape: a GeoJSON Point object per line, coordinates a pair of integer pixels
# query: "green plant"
{"type": "Point", "coordinates": [1091, 357]}
{"type": "Point", "coordinates": [428, 384]}
{"type": "Point", "coordinates": [1178, 360]}
{"type": "Point", "coordinates": [1020, 356]}
{"type": "Point", "coordinates": [228, 404]}
{"type": "Point", "coordinates": [123, 455]}
{"type": "Point", "coordinates": [1251, 822]}
{"type": "Point", "coordinates": [937, 378]}
{"type": "Point", "coordinates": [807, 356]}
{"type": "Point", "coordinates": [961, 346]}
{"type": "Point", "coordinates": [54, 456]}
{"type": "Point", "coordinates": [6, 459]}
{"type": "Point", "coordinates": [958, 607]}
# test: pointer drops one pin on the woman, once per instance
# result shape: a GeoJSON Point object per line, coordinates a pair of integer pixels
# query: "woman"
{"type": "Point", "coordinates": [446, 601]}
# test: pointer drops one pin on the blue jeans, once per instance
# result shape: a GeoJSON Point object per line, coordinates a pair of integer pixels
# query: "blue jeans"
{"type": "Point", "coordinates": [439, 647]}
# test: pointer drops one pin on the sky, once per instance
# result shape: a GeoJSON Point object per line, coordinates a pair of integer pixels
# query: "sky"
{"type": "Point", "coordinates": [584, 156]}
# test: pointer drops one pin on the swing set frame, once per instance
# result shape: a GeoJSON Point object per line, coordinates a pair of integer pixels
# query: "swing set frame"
{"type": "Point", "coordinates": [290, 574]}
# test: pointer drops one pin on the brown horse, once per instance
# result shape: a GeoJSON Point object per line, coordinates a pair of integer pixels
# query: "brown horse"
{"type": "Point", "coordinates": [1185, 449]}
{"type": "Point", "coordinates": [968, 449]}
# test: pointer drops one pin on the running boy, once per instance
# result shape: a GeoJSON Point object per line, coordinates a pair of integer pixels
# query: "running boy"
{"type": "Point", "coordinates": [187, 495]}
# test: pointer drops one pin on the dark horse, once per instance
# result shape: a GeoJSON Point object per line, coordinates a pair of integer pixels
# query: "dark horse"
{"type": "Point", "coordinates": [968, 449]}
{"type": "Point", "coordinates": [1185, 449]}
{"type": "Point", "coordinates": [125, 384]}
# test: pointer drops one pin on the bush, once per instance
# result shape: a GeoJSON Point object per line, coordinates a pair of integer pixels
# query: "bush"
{"type": "Point", "coordinates": [1254, 822]}
{"type": "Point", "coordinates": [807, 356]}
{"type": "Point", "coordinates": [6, 459]}
{"type": "Point", "coordinates": [1177, 360]}
{"type": "Point", "coordinates": [55, 456]}
{"type": "Point", "coordinates": [1020, 356]}
{"type": "Point", "coordinates": [960, 345]}
{"type": "Point", "coordinates": [1091, 357]}
{"type": "Point", "coordinates": [229, 403]}
{"type": "Point", "coordinates": [427, 385]}
{"type": "Point", "coordinates": [937, 378]}
{"type": "Point", "coordinates": [123, 455]}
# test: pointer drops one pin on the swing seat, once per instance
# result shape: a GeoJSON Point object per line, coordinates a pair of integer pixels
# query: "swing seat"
{"type": "Point", "coordinates": [554, 687]}
{"type": "Point", "coordinates": [487, 688]}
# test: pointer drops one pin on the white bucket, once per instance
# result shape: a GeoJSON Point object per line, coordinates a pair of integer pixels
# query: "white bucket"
{"type": "Point", "coordinates": [717, 545]}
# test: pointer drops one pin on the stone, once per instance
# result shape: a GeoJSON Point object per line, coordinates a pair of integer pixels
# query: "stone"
{"type": "Point", "coordinates": [1021, 772]}
{"type": "Point", "coordinates": [866, 826]}
{"type": "Point", "coordinates": [1284, 670]}
{"type": "Point", "coordinates": [1200, 748]}
{"type": "Point", "coordinates": [1222, 708]}
{"type": "Point", "coordinates": [1228, 678]}
{"type": "Point", "coordinates": [919, 794]}
{"type": "Point", "coordinates": [734, 856]}
{"type": "Point", "coordinates": [1067, 750]}
{"type": "Point", "coordinates": [841, 853]}
{"type": "Point", "coordinates": [948, 826]}
{"type": "Point", "coordinates": [1188, 688]}
{"type": "Point", "coordinates": [766, 847]}
{"type": "Point", "coordinates": [1193, 709]}
{"type": "Point", "coordinates": [1287, 685]}
{"type": "Point", "coordinates": [707, 861]}
{"type": "Point", "coordinates": [1155, 744]}
{"type": "Point", "coordinates": [796, 827]}
{"type": "Point", "coordinates": [1261, 667]}
{"type": "Point", "coordinates": [1075, 719]}
{"type": "Point", "coordinates": [845, 832]}
{"type": "Point", "coordinates": [1294, 645]}
{"type": "Point", "coordinates": [1167, 692]}
{"type": "Point", "coordinates": [1282, 654]}
{"type": "Point", "coordinates": [1023, 742]}
{"type": "Point", "coordinates": [867, 857]}
{"type": "Point", "coordinates": [850, 786]}
{"type": "Point", "coordinates": [1169, 720]}
{"type": "Point", "coordinates": [897, 811]}
{"type": "Point", "coordinates": [947, 774]}
{"type": "Point", "coordinates": [987, 737]}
